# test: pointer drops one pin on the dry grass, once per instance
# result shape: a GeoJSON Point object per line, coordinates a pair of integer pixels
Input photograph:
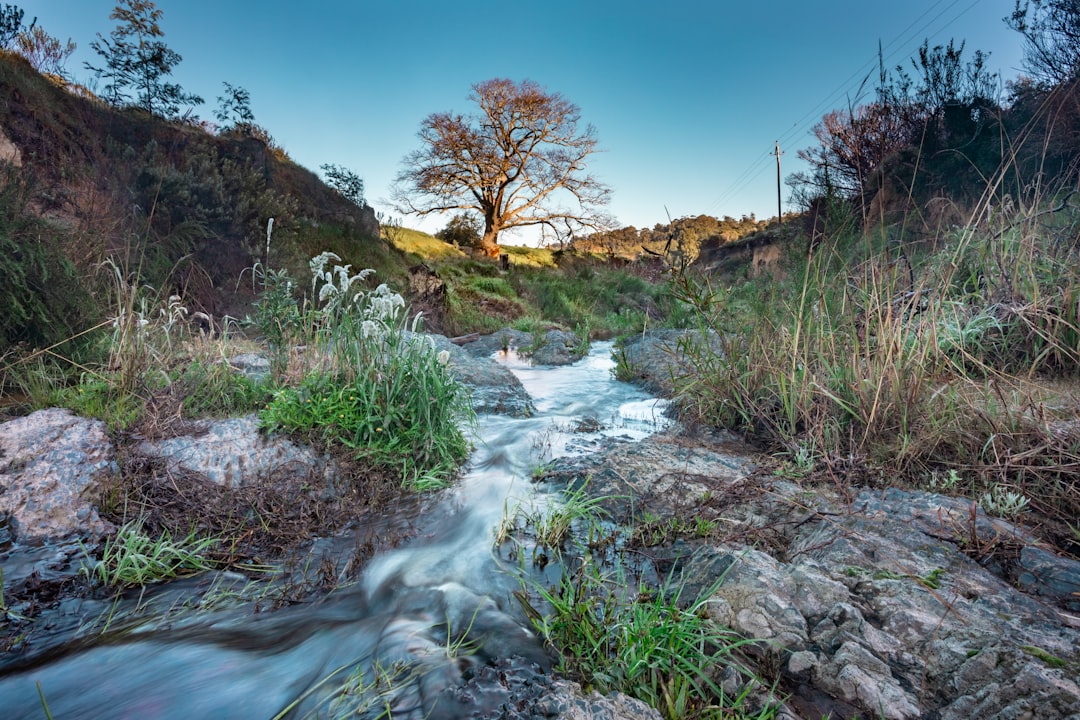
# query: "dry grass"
{"type": "Point", "coordinates": [964, 360]}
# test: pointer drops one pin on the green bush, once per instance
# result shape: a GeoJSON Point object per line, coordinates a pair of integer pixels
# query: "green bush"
{"type": "Point", "coordinates": [376, 386]}
{"type": "Point", "coordinates": [42, 299]}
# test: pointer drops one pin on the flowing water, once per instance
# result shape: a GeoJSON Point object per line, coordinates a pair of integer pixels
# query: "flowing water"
{"type": "Point", "coordinates": [416, 637]}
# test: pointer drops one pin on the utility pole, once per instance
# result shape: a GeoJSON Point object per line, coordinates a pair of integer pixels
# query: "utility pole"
{"type": "Point", "coordinates": [779, 212]}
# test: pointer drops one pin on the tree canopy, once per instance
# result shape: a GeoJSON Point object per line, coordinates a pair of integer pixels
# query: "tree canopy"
{"type": "Point", "coordinates": [519, 161]}
{"type": "Point", "coordinates": [1051, 30]}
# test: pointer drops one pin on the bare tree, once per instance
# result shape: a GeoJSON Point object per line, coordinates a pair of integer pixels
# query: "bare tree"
{"type": "Point", "coordinates": [852, 144]}
{"type": "Point", "coordinates": [518, 162]}
{"type": "Point", "coordinates": [46, 53]}
{"type": "Point", "coordinates": [1051, 29]}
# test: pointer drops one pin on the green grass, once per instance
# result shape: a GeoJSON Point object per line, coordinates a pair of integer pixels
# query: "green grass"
{"type": "Point", "coordinates": [422, 245]}
{"type": "Point", "coordinates": [378, 389]}
{"type": "Point", "coordinates": [131, 558]}
{"type": "Point", "coordinates": [614, 634]}
{"type": "Point", "coordinates": [522, 256]}
{"type": "Point", "coordinates": [214, 389]}
{"type": "Point", "coordinates": [642, 641]}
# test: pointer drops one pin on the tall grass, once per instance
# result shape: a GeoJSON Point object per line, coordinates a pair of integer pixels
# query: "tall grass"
{"type": "Point", "coordinates": [368, 380]}
{"type": "Point", "coordinates": [911, 360]}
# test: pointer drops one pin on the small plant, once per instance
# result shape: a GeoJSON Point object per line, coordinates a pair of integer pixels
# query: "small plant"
{"type": "Point", "coordinates": [131, 558]}
{"type": "Point", "coordinates": [552, 525]}
{"type": "Point", "coordinates": [1003, 502]}
{"type": "Point", "coordinates": [651, 530]}
{"type": "Point", "coordinates": [645, 643]}
{"type": "Point", "coordinates": [932, 579]}
{"type": "Point", "coordinates": [948, 483]}
{"type": "Point", "coordinates": [583, 334]}
{"type": "Point", "coordinates": [801, 463]}
{"type": "Point", "coordinates": [624, 369]}
{"type": "Point", "coordinates": [277, 316]}
{"type": "Point", "coordinates": [1052, 660]}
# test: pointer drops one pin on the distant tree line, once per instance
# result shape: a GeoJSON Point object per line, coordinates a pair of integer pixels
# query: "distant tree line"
{"type": "Point", "coordinates": [681, 237]}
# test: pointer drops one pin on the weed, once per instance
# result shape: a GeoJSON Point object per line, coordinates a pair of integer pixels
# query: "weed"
{"type": "Point", "coordinates": [1003, 502]}
{"type": "Point", "coordinates": [131, 558]}
{"type": "Point", "coordinates": [948, 483]}
{"type": "Point", "coordinates": [624, 369]}
{"type": "Point", "coordinates": [932, 580]}
{"type": "Point", "coordinates": [644, 642]}
{"type": "Point", "coordinates": [553, 524]}
{"type": "Point", "coordinates": [1051, 660]}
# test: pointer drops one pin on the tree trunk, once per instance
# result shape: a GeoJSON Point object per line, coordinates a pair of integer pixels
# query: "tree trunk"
{"type": "Point", "coordinates": [489, 243]}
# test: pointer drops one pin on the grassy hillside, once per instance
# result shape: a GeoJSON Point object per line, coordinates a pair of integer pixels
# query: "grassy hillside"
{"type": "Point", "coordinates": [588, 294]}
{"type": "Point", "coordinates": [184, 209]}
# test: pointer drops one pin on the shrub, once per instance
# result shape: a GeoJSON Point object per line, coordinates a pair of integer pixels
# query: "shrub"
{"type": "Point", "coordinates": [372, 384]}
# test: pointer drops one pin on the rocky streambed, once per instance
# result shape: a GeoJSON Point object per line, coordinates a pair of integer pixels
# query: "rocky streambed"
{"type": "Point", "coordinates": [864, 601]}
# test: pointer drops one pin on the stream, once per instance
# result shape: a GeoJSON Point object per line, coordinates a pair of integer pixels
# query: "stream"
{"type": "Point", "coordinates": [430, 630]}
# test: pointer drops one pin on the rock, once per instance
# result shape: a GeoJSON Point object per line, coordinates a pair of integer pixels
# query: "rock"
{"type": "Point", "coordinates": [557, 347]}
{"type": "Point", "coordinates": [1043, 573]}
{"type": "Point", "coordinates": [567, 701]}
{"type": "Point", "coordinates": [665, 475]}
{"type": "Point", "coordinates": [235, 453]}
{"type": "Point", "coordinates": [551, 347]}
{"type": "Point", "coordinates": [896, 604]}
{"type": "Point", "coordinates": [51, 462]}
{"type": "Point", "coordinates": [255, 367]}
{"type": "Point", "coordinates": [494, 388]}
{"type": "Point", "coordinates": [654, 358]}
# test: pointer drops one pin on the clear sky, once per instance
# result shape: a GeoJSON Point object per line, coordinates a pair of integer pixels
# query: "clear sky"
{"type": "Point", "coordinates": [688, 96]}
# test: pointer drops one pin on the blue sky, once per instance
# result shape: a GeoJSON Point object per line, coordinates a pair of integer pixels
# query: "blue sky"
{"type": "Point", "coordinates": [688, 97]}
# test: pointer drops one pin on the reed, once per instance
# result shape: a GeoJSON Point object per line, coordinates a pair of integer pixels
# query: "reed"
{"type": "Point", "coordinates": [914, 361]}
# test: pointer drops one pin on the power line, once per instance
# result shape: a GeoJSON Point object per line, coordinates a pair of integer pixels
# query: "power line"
{"type": "Point", "coordinates": [901, 43]}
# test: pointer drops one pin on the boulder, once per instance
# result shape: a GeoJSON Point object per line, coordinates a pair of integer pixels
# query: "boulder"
{"type": "Point", "coordinates": [548, 347]}
{"type": "Point", "coordinates": [494, 388]}
{"type": "Point", "coordinates": [654, 358]}
{"type": "Point", "coordinates": [51, 463]}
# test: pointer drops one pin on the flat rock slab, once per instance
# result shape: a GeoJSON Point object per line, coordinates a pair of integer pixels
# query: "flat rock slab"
{"type": "Point", "coordinates": [235, 453]}
{"type": "Point", "coordinates": [890, 603]}
{"type": "Point", "coordinates": [51, 462]}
